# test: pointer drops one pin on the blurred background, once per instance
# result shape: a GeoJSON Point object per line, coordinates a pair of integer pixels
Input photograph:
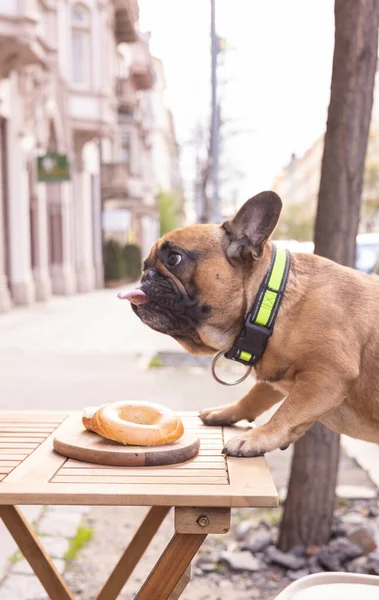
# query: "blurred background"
{"type": "Point", "coordinates": [108, 129]}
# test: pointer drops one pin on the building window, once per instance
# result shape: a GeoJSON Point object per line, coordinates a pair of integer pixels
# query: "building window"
{"type": "Point", "coordinates": [81, 45]}
{"type": "Point", "coordinates": [125, 147]}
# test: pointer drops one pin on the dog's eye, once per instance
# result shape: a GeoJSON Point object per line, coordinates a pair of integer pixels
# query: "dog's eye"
{"type": "Point", "coordinates": [174, 259]}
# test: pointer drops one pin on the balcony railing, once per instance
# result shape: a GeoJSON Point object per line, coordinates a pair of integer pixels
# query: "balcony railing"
{"type": "Point", "coordinates": [21, 27]}
{"type": "Point", "coordinates": [126, 93]}
{"type": "Point", "coordinates": [141, 68]}
{"type": "Point", "coordinates": [126, 16]}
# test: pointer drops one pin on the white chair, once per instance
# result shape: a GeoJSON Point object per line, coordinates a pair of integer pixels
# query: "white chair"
{"type": "Point", "coordinates": [333, 586]}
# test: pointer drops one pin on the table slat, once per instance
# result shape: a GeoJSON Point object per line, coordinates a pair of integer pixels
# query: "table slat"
{"type": "Point", "coordinates": [175, 479]}
{"type": "Point", "coordinates": [188, 466]}
{"type": "Point", "coordinates": [145, 472]}
{"type": "Point", "coordinates": [17, 445]}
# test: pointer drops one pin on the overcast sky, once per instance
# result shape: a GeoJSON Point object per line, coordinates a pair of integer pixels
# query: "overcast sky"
{"type": "Point", "coordinates": [278, 74]}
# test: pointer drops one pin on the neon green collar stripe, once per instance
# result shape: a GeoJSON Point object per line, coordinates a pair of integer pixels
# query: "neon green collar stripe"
{"type": "Point", "coordinates": [278, 270]}
{"type": "Point", "coordinates": [274, 285]}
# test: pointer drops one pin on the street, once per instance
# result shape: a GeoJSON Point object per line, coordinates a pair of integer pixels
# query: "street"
{"type": "Point", "coordinates": [91, 349]}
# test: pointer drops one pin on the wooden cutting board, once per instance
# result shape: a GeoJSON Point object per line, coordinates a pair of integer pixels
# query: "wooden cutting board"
{"type": "Point", "coordinates": [73, 441]}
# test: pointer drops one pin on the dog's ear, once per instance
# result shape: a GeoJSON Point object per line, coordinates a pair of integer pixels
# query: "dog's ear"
{"type": "Point", "coordinates": [252, 226]}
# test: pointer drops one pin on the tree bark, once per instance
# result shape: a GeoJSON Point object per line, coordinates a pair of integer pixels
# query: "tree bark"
{"type": "Point", "coordinates": [310, 501]}
{"type": "Point", "coordinates": [353, 77]}
{"type": "Point", "coordinates": [308, 513]}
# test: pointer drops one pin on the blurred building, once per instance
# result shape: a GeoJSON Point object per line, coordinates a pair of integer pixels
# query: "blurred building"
{"type": "Point", "coordinates": [299, 182]}
{"type": "Point", "coordinates": [128, 183]}
{"type": "Point", "coordinates": [75, 133]}
{"type": "Point", "coordinates": [166, 159]}
{"type": "Point", "coordinates": [147, 151]}
{"type": "Point", "coordinates": [298, 186]}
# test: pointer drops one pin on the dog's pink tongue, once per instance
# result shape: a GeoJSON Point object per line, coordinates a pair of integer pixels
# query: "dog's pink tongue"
{"type": "Point", "coordinates": [135, 297]}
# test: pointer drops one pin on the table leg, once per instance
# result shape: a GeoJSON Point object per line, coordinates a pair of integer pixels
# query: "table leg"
{"type": "Point", "coordinates": [182, 584]}
{"type": "Point", "coordinates": [133, 553]}
{"type": "Point", "coordinates": [171, 567]}
{"type": "Point", "coordinates": [34, 553]}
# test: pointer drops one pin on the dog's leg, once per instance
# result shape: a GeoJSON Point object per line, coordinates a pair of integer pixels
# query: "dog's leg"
{"type": "Point", "coordinates": [311, 398]}
{"type": "Point", "coordinates": [260, 398]}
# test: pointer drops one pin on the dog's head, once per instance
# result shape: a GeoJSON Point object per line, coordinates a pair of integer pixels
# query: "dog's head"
{"type": "Point", "coordinates": [193, 282]}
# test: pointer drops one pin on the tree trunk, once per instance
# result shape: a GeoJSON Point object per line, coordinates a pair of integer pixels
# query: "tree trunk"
{"type": "Point", "coordinates": [309, 506]}
{"type": "Point", "coordinates": [354, 65]}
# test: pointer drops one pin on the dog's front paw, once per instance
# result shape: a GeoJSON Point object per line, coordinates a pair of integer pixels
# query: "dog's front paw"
{"type": "Point", "coordinates": [221, 415]}
{"type": "Point", "coordinates": [249, 444]}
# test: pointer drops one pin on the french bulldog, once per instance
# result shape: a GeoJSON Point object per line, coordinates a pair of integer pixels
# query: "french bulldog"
{"type": "Point", "coordinates": [200, 282]}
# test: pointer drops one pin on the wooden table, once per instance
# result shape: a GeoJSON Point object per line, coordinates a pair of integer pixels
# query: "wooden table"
{"type": "Point", "coordinates": [202, 492]}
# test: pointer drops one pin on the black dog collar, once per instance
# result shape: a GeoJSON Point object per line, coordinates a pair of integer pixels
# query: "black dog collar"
{"type": "Point", "coordinates": [251, 343]}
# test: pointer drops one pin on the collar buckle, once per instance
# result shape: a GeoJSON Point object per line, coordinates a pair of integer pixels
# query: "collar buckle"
{"type": "Point", "coordinates": [250, 344]}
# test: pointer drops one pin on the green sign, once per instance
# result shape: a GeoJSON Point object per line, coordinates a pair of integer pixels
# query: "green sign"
{"type": "Point", "coordinates": [53, 167]}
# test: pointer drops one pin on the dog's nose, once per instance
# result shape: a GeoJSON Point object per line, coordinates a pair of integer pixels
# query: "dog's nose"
{"type": "Point", "coordinates": [149, 275]}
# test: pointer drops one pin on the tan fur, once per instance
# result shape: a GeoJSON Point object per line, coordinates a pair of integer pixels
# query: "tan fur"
{"type": "Point", "coordinates": [323, 354]}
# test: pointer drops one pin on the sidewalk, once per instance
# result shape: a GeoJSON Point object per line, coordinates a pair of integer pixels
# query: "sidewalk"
{"type": "Point", "coordinates": [91, 349]}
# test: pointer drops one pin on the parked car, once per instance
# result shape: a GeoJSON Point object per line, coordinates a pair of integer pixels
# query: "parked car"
{"type": "Point", "coordinates": [367, 252]}
{"type": "Point", "coordinates": [375, 270]}
{"type": "Point", "coordinates": [367, 257]}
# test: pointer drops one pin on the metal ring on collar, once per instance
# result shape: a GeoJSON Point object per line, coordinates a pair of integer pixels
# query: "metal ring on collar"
{"type": "Point", "coordinates": [215, 376]}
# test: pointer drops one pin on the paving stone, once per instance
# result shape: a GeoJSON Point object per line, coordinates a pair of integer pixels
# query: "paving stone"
{"type": "Point", "coordinates": [243, 529]}
{"type": "Point", "coordinates": [356, 492]}
{"type": "Point", "coordinates": [208, 567]}
{"type": "Point", "coordinates": [373, 563]}
{"type": "Point", "coordinates": [22, 567]}
{"type": "Point", "coordinates": [22, 587]}
{"type": "Point", "coordinates": [295, 575]}
{"type": "Point", "coordinates": [241, 561]}
{"type": "Point", "coordinates": [358, 565]}
{"type": "Point", "coordinates": [69, 509]}
{"type": "Point", "coordinates": [67, 515]}
{"type": "Point", "coordinates": [257, 541]}
{"type": "Point", "coordinates": [363, 536]}
{"type": "Point", "coordinates": [311, 550]}
{"type": "Point", "coordinates": [224, 583]}
{"type": "Point", "coordinates": [60, 524]}
{"type": "Point", "coordinates": [354, 518]}
{"type": "Point", "coordinates": [298, 550]}
{"type": "Point", "coordinates": [285, 559]}
{"type": "Point", "coordinates": [314, 565]}
{"type": "Point", "coordinates": [56, 547]}
{"type": "Point", "coordinates": [338, 552]}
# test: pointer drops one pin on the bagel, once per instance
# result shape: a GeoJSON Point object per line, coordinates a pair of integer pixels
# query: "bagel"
{"type": "Point", "coordinates": [87, 416]}
{"type": "Point", "coordinates": [134, 423]}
